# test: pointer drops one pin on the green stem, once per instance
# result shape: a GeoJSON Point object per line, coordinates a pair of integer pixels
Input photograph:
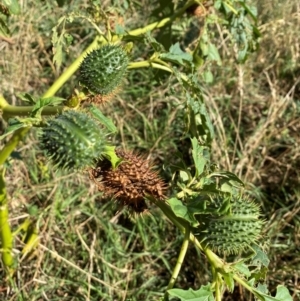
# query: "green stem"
{"type": "Point", "coordinates": [155, 63]}
{"type": "Point", "coordinates": [3, 102]}
{"type": "Point", "coordinates": [179, 223]}
{"type": "Point", "coordinates": [6, 237]}
{"type": "Point", "coordinates": [218, 285]}
{"type": "Point", "coordinates": [244, 284]}
{"type": "Point", "coordinates": [143, 64]}
{"type": "Point", "coordinates": [179, 262]}
{"type": "Point", "coordinates": [12, 143]}
{"type": "Point", "coordinates": [11, 111]}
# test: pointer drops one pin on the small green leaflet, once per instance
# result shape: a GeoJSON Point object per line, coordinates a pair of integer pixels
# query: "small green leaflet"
{"type": "Point", "coordinates": [203, 294]}
{"type": "Point", "coordinates": [13, 6]}
{"type": "Point", "coordinates": [242, 268]}
{"type": "Point", "coordinates": [262, 288]}
{"type": "Point", "coordinates": [198, 156]}
{"type": "Point", "coordinates": [31, 100]}
{"type": "Point", "coordinates": [107, 122]}
{"type": "Point", "coordinates": [282, 294]}
{"type": "Point", "coordinates": [154, 44]}
{"type": "Point", "coordinates": [213, 54]}
{"type": "Point", "coordinates": [119, 30]}
{"type": "Point", "coordinates": [228, 278]}
{"type": "Point", "coordinates": [4, 31]}
{"type": "Point", "coordinates": [13, 125]}
{"type": "Point", "coordinates": [176, 55]}
{"type": "Point", "coordinates": [182, 211]}
{"type": "Point", "coordinates": [208, 76]}
{"type": "Point", "coordinates": [260, 257]}
{"type": "Point", "coordinates": [110, 154]}
{"type": "Point", "coordinates": [228, 182]}
{"type": "Point", "coordinates": [57, 45]}
{"type": "Point", "coordinates": [43, 102]}
{"type": "Point", "coordinates": [61, 41]}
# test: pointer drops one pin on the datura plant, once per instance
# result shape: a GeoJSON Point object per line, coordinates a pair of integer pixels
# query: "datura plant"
{"type": "Point", "coordinates": [209, 206]}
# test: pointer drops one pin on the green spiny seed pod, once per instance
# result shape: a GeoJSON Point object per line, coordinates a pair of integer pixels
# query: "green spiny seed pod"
{"type": "Point", "coordinates": [235, 230]}
{"type": "Point", "coordinates": [73, 140]}
{"type": "Point", "coordinates": [103, 69]}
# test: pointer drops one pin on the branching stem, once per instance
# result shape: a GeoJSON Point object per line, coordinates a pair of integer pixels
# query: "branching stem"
{"type": "Point", "coordinates": [5, 231]}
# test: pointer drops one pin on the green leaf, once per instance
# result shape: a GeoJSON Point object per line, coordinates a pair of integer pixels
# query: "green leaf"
{"type": "Point", "coordinates": [13, 6]}
{"type": "Point", "coordinates": [260, 257]}
{"type": "Point", "coordinates": [176, 55]}
{"type": "Point", "coordinates": [208, 76]}
{"type": "Point", "coordinates": [197, 205]}
{"type": "Point", "coordinates": [182, 211]}
{"type": "Point", "coordinates": [282, 294]}
{"type": "Point", "coordinates": [198, 156]}
{"type": "Point", "coordinates": [13, 125]}
{"type": "Point", "coordinates": [200, 122]}
{"type": "Point", "coordinates": [58, 41]}
{"type": "Point", "coordinates": [242, 268]}
{"type": "Point", "coordinates": [110, 154]}
{"type": "Point", "coordinates": [228, 182]}
{"type": "Point", "coordinates": [184, 176]}
{"type": "Point", "coordinates": [213, 54]}
{"type": "Point", "coordinates": [262, 288]}
{"type": "Point", "coordinates": [107, 122]}
{"type": "Point", "coordinates": [58, 55]}
{"type": "Point", "coordinates": [119, 30]}
{"type": "Point", "coordinates": [30, 99]}
{"type": "Point", "coordinates": [68, 39]}
{"type": "Point", "coordinates": [217, 4]}
{"type": "Point", "coordinates": [43, 102]}
{"type": "Point", "coordinates": [203, 294]}
{"type": "Point", "coordinates": [4, 31]}
{"type": "Point", "coordinates": [228, 278]}
{"type": "Point", "coordinates": [154, 44]}
{"type": "Point", "coordinates": [251, 10]}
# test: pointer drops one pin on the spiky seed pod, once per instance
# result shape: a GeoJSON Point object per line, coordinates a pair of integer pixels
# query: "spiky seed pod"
{"type": "Point", "coordinates": [73, 140]}
{"type": "Point", "coordinates": [103, 69]}
{"type": "Point", "coordinates": [130, 182]}
{"type": "Point", "coordinates": [234, 231]}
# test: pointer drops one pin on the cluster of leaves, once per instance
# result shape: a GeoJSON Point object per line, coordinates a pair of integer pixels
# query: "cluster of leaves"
{"type": "Point", "coordinates": [7, 8]}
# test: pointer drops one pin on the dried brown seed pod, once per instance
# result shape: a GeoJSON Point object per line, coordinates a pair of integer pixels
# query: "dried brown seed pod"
{"type": "Point", "coordinates": [130, 182]}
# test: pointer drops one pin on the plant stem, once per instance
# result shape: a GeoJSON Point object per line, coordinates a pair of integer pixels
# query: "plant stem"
{"type": "Point", "coordinates": [244, 284]}
{"type": "Point", "coordinates": [12, 143]}
{"type": "Point", "coordinates": [11, 111]}
{"type": "Point", "coordinates": [3, 102]}
{"type": "Point", "coordinates": [5, 231]}
{"type": "Point", "coordinates": [218, 285]}
{"type": "Point", "coordinates": [179, 262]}
{"type": "Point", "coordinates": [156, 63]}
{"type": "Point", "coordinates": [142, 64]}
